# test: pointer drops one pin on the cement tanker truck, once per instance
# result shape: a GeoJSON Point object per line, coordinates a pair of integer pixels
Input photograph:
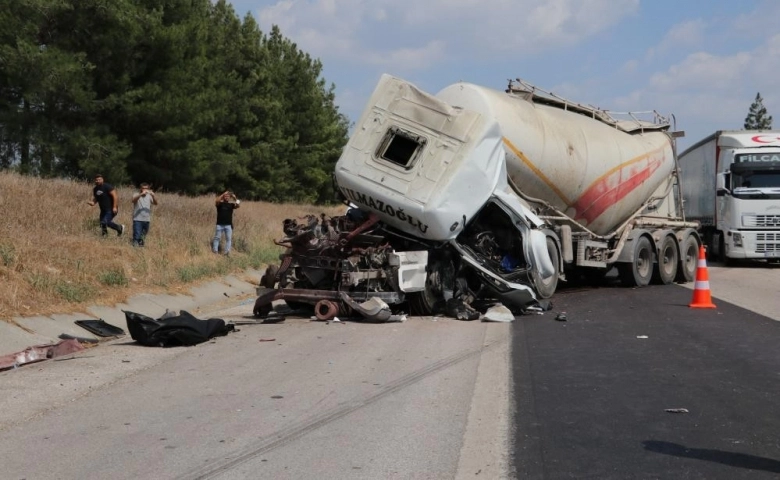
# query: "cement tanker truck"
{"type": "Point", "coordinates": [491, 194]}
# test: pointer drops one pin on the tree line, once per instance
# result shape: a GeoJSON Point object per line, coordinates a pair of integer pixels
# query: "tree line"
{"type": "Point", "coordinates": [183, 94]}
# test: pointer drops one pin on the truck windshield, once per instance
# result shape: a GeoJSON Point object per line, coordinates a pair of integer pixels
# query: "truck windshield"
{"type": "Point", "coordinates": [756, 179]}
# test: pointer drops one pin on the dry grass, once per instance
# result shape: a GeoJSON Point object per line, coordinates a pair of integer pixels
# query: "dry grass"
{"type": "Point", "coordinates": [53, 259]}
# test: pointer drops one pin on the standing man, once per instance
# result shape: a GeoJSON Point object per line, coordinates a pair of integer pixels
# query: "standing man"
{"type": "Point", "coordinates": [226, 203]}
{"type": "Point", "coordinates": [104, 195]}
{"type": "Point", "coordinates": [142, 213]}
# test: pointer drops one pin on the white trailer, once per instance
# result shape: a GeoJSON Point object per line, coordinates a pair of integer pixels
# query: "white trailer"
{"type": "Point", "coordinates": [731, 185]}
{"type": "Point", "coordinates": [512, 191]}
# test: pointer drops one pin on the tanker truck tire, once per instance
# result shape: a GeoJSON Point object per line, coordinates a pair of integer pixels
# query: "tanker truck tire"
{"type": "Point", "coordinates": [668, 258]}
{"type": "Point", "coordinates": [689, 259]}
{"type": "Point", "coordinates": [546, 287]}
{"type": "Point", "coordinates": [441, 276]}
{"type": "Point", "coordinates": [639, 271]}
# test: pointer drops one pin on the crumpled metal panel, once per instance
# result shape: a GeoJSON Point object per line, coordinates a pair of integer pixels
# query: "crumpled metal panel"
{"type": "Point", "coordinates": [38, 353]}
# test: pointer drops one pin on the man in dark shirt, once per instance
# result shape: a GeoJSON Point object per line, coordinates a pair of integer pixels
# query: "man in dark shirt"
{"type": "Point", "coordinates": [226, 203]}
{"type": "Point", "coordinates": [104, 195]}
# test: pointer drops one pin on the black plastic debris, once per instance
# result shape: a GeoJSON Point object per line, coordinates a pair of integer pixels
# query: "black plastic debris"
{"type": "Point", "coordinates": [100, 328]}
{"type": "Point", "coordinates": [174, 331]}
{"type": "Point", "coordinates": [561, 317]}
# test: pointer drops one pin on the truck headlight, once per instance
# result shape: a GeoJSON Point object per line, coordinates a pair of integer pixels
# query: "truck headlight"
{"type": "Point", "coordinates": [737, 239]}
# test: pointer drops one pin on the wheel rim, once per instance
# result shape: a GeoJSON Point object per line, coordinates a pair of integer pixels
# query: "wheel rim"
{"type": "Point", "coordinates": [691, 258]}
{"type": "Point", "coordinates": [669, 260]}
{"type": "Point", "coordinates": [644, 263]}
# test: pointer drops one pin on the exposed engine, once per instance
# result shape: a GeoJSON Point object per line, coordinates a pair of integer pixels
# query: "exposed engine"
{"type": "Point", "coordinates": [332, 262]}
{"type": "Point", "coordinates": [335, 253]}
{"type": "Point", "coordinates": [327, 256]}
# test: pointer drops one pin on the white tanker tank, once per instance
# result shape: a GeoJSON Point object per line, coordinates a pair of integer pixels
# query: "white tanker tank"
{"type": "Point", "coordinates": [525, 187]}
{"type": "Point", "coordinates": [593, 171]}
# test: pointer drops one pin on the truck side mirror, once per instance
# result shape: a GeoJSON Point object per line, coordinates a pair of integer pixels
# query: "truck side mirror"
{"type": "Point", "coordinates": [722, 181]}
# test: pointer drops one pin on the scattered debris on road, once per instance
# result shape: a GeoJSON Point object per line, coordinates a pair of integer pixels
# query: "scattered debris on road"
{"type": "Point", "coordinates": [172, 330]}
{"type": "Point", "coordinates": [676, 410]}
{"type": "Point", "coordinates": [39, 353]}
{"type": "Point", "coordinates": [498, 313]}
{"type": "Point", "coordinates": [100, 328]}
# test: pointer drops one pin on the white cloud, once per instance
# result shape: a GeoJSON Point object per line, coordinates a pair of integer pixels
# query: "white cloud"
{"type": "Point", "coordinates": [682, 35]}
{"type": "Point", "coordinates": [405, 34]}
{"type": "Point", "coordinates": [406, 59]}
{"type": "Point", "coordinates": [709, 91]}
{"type": "Point", "coordinates": [704, 71]}
{"type": "Point", "coordinates": [759, 21]}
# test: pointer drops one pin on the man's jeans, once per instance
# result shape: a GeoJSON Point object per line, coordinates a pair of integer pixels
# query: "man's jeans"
{"type": "Point", "coordinates": [228, 230]}
{"type": "Point", "coordinates": [107, 221]}
{"type": "Point", "coordinates": [140, 229]}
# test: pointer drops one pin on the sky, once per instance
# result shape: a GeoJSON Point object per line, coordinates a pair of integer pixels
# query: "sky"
{"type": "Point", "coordinates": [702, 62]}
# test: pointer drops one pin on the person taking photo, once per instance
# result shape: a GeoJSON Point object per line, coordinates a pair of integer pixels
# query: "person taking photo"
{"type": "Point", "coordinates": [142, 213]}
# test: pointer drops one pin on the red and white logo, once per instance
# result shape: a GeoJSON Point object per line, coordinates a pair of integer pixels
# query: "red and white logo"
{"type": "Point", "coordinates": [765, 139]}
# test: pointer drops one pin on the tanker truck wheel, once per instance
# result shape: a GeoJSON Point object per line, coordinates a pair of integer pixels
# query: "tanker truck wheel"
{"type": "Point", "coordinates": [546, 287]}
{"type": "Point", "coordinates": [689, 259]}
{"type": "Point", "coordinates": [639, 271]}
{"type": "Point", "coordinates": [666, 268]}
{"type": "Point", "coordinates": [441, 277]}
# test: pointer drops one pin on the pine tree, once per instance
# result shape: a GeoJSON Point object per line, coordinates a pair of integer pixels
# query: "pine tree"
{"type": "Point", "coordinates": [757, 118]}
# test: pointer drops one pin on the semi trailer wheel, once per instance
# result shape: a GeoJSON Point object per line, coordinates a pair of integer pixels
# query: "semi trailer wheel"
{"type": "Point", "coordinates": [689, 259]}
{"type": "Point", "coordinates": [639, 271]}
{"type": "Point", "coordinates": [666, 267]}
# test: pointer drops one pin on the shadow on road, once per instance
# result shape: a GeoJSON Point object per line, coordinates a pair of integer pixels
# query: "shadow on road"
{"type": "Point", "coordinates": [733, 459]}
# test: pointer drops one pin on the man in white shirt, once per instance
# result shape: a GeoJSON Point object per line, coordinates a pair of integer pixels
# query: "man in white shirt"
{"type": "Point", "coordinates": [142, 213]}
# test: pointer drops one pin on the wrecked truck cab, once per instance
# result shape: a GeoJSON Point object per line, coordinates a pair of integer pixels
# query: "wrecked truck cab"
{"type": "Point", "coordinates": [436, 173]}
{"type": "Point", "coordinates": [510, 253]}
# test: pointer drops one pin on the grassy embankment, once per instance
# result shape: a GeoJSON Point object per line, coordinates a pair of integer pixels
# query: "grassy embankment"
{"type": "Point", "coordinates": [53, 259]}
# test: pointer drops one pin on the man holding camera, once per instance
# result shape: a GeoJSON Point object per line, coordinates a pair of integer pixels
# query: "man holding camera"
{"type": "Point", "coordinates": [142, 213]}
{"type": "Point", "coordinates": [226, 203]}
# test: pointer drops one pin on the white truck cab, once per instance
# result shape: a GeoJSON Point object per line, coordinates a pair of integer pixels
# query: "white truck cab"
{"type": "Point", "coordinates": [731, 184]}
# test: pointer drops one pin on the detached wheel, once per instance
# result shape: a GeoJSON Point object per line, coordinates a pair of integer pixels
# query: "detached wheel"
{"type": "Point", "coordinates": [546, 287]}
{"type": "Point", "coordinates": [689, 259]}
{"type": "Point", "coordinates": [639, 271]}
{"type": "Point", "coordinates": [666, 268]}
{"type": "Point", "coordinates": [441, 277]}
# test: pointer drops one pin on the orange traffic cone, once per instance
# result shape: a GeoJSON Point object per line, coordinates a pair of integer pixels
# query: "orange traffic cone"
{"type": "Point", "coordinates": [701, 289]}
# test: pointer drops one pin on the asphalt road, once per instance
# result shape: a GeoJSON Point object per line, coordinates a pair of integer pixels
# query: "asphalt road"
{"type": "Point", "coordinates": [593, 394]}
{"type": "Point", "coordinates": [431, 398]}
{"type": "Point", "coordinates": [296, 400]}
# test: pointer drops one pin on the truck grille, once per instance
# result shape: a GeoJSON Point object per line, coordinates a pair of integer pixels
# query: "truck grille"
{"type": "Point", "coordinates": [758, 221]}
{"type": "Point", "coordinates": [767, 242]}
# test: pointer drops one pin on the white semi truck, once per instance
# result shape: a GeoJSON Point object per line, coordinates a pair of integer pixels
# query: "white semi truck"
{"type": "Point", "coordinates": [731, 185]}
{"type": "Point", "coordinates": [480, 193]}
